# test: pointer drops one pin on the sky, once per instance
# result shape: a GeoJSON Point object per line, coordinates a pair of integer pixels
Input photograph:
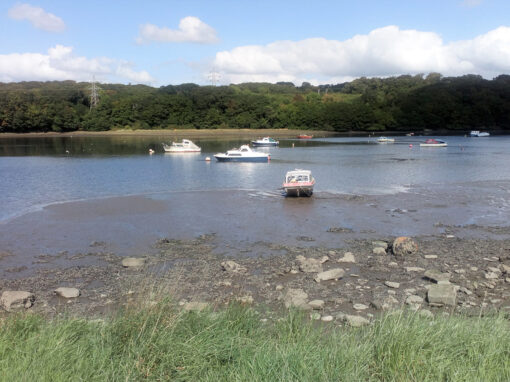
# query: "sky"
{"type": "Point", "coordinates": [157, 42]}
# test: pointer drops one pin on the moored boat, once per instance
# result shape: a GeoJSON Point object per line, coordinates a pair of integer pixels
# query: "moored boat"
{"type": "Point", "coordinates": [305, 136]}
{"type": "Point", "coordinates": [266, 141]}
{"type": "Point", "coordinates": [242, 154]}
{"type": "Point", "coordinates": [385, 140]}
{"type": "Point", "coordinates": [433, 143]}
{"type": "Point", "coordinates": [478, 133]}
{"type": "Point", "coordinates": [186, 146]}
{"type": "Point", "coordinates": [298, 183]}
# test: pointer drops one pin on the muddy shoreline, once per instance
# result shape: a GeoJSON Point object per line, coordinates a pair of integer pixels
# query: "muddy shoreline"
{"type": "Point", "coordinates": [193, 273]}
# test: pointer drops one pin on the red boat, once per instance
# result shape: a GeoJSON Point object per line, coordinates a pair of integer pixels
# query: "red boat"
{"type": "Point", "coordinates": [305, 136]}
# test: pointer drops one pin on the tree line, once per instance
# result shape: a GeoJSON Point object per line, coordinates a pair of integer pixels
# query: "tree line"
{"type": "Point", "coordinates": [403, 103]}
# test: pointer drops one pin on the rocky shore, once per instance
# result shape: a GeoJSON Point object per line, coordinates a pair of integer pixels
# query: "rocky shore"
{"type": "Point", "coordinates": [430, 274]}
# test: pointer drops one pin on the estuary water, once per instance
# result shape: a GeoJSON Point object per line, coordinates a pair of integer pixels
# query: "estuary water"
{"type": "Point", "coordinates": [64, 193]}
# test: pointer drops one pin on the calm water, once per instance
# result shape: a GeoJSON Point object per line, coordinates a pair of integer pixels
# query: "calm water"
{"type": "Point", "coordinates": [36, 172]}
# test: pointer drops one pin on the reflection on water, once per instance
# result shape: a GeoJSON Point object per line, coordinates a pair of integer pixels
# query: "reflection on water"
{"type": "Point", "coordinates": [40, 171]}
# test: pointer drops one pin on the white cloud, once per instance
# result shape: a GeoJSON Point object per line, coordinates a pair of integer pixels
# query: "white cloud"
{"type": "Point", "coordinates": [191, 29]}
{"type": "Point", "coordinates": [383, 52]}
{"type": "Point", "coordinates": [61, 64]}
{"type": "Point", "coordinates": [39, 18]}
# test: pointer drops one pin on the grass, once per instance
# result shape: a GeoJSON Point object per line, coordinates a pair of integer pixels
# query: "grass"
{"type": "Point", "coordinates": [162, 343]}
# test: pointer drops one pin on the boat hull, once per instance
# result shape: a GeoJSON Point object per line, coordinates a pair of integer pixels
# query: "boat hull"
{"type": "Point", "coordinates": [259, 144]}
{"type": "Point", "coordinates": [182, 151]}
{"type": "Point", "coordinates": [433, 145]}
{"type": "Point", "coordinates": [303, 189]}
{"type": "Point", "coordinates": [241, 159]}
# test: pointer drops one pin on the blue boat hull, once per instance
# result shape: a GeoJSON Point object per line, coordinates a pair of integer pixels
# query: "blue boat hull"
{"type": "Point", "coordinates": [264, 144]}
{"type": "Point", "coordinates": [255, 159]}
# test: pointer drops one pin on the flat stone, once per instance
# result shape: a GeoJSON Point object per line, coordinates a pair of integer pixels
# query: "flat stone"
{"type": "Point", "coordinates": [442, 295]}
{"type": "Point", "coordinates": [414, 269]}
{"type": "Point", "coordinates": [315, 316]}
{"type": "Point", "coordinates": [316, 304]}
{"type": "Point", "coordinates": [67, 292]}
{"type": "Point", "coordinates": [245, 300]}
{"type": "Point", "coordinates": [133, 262]}
{"type": "Point", "coordinates": [327, 318]}
{"type": "Point", "coordinates": [309, 265]}
{"type": "Point", "coordinates": [380, 243]}
{"type": "Point", "coordinates": [16, 300]}
{"type": "Point", "coordinates": [195, 306]}
{"type": "Point", "coordinates": [332, 274]}
{"type": "Point", "coordinates": [505, 268]}
{"type": "Point", "coordinates": [296, 298]}
{"type": "Point", "coordinates": [492, 275]}
{"type": "Point", "coordinates": [430, 257]}
{"type": "Point", "coordinates": [360, 307]}
{"type": "Point", "coordinates": [386, 303]}
{"type": "Point", "coordinates": [414, 299]}
{"type": "Point", "coordinates": [347, 258]}
{"type": "Point", "coordinates": [355, 321]}
{"type": "Point", "coordinates": [404, 246]}
{"type": "Point", "coordinates": [392, 284]}
{"type": "Point", "coordinates": [379, 251]}
{"type": "Point", "coordinates": [233, 267]}
{"type": "Point", "coordinates": [437, 277]}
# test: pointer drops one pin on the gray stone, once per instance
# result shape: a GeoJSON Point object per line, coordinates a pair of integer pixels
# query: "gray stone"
{"type": "Point", "coordinates": [355, 321]}
{"type": "Point", "coordinates": [133, 262]}
{"type": "Point", "coordinates": [16, 300]}
{"type": "Point", "coordinates": [327, 318]}
{"type": "Point", "coordinates": [404, 246]}
{"type": "Point", "coordinates": [414, 299]}
{"type": "Point", "coordinates": [316, 304]}
{"type": "Point", "coordinates": [492, 275]}
{"type": "Point", "coordinates": [315, 316]}
{"type": "Point", "coordinates": [380, 243]}
{"type": "Point", "coordinates": [67, 292]}
{"type": "Point", "coordinates": [439, 295]}
{"type": "Point", "coordinates": [360, 307]}
{"type": "Point", "coordinates": [309, 265]}
{"type": "Point", "coordinates": [233, 267]}
{"type": "Point", "coordinates": [430, 257]}
{"type": "Point", "coordinates": [296, 298]}
{"type": "Point", "coordinates": [426, 313]}
{"type": "Point", "coordinates": [505, 268]}
{"type": "Point", "coordinates": [392, 284]}
{"type": "Point", "coordinates": [196, 306]}
{"type": "Point", "coordinates": [245, 300]}
{"type": "Point", "coordinates": [348, 258]}
{"type": "Point", "coordinates": [414, 269]}
{"type": "Point", "coordinates": [438, 277]}
{"type": "Point", "coordinates": [332, 274]}
{"type": "Point", "coordinates": [379, 251]}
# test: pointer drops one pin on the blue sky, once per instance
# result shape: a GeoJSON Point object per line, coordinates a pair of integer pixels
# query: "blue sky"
{"type": "Point", "coordinates": [173, 42]}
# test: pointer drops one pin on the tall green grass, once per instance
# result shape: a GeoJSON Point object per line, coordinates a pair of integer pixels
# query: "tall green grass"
{"type": "Point", "coordinates": [162, 343]}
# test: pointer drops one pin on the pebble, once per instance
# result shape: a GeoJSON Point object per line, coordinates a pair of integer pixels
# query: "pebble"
{"type": "Point", "coordinates": [392, 284]}
{"type": "Point", "coordinates": [327, 318]}
{"type": "Point", "coordinates": [414, 269]}
{"type": "Point", "coordinates": [414, 299]}
{"type": "Point", "coordinates": [67, 292]}
{"type": "Point", "coordinates": [360, 307]}
{"type": "Point", "coordinates": [431, 256]}
{"type": "Point", "coordinates": [316, 304]}
{"type": "Point", "coordinates": [347, 258]}
{"type": "Point", "coordinates": [379, 251]}
{"type": "Point", "coordinates": [133, 262]}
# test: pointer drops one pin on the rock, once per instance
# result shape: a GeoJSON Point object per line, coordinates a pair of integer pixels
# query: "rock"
{"type": "Point", "coordinates": [133, 262]}
{"type": "Point", "coordinates": [324, 259]}
{"type": "Point", "coordinates": [309, 265]}
{"type": "Point", "coordinates": [392, 284]}
{"type": "Point", "coordinates": [437, 277]}
{"type": "Point", "coordinates": [393, 264]}
{"type": "Point", "coordinates": [316, 304]}
{"type": "Point", "coordinates": [233, 267]}
{"type": "Point", "coordinates": [315, 316]}
{"type": "Point", "coordinates": [67, 292]}
{"type": "Point", "coordinates": [430, 257]}
{"type": "Point", "coordinates": [414, 299]}
{"type": "Point", "coordinates": [195, 306]}
{"type": "Point", "coordinates": [16, 300]}
{"type": "Point", "coordinates": [439, 295]}
{"type": "Point", "coordinates": [332, 274]}
{"type": "Point", "coordinates": [414, 269]}
{"type": "Point", "coordinates": [327, 318]}
{"type": "Point", "coordinates": [425, 313]}
{"type": "Point", "coordinates": [404, 246]}
{"type": "Point", "coordinates": [505, 268]}
{"type": "Point", "coordinates": [360, 307]}
{"type": "Point", "coordinates": [386, 303]}
{"type": "Point", "coordinates": [379, 251]}
{"type": "Point", "coordinates": [380, 243]}
{"type": "Point", "coordinates": [355, 321]}
{"type": "Point", "coordinates": [245, 300]}
{"type": "Point", "coordinates": [296, 298]}
{"type": "Point", "coordinates": [348, 258]}
{"type": "Point", "coordinates": [491, 275]}
{"type": "Point", "coordinates": [279, 287]}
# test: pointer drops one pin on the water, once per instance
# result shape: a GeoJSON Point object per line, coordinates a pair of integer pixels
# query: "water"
{"type": "Point", "coordinates": [62, 194]}
{"type": "Point", "coordinates": [36, 172]}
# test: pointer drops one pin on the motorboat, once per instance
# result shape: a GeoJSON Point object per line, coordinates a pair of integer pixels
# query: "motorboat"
{"type": "Point", "coordinates": [433, 143]}
{"type": "Point", "coordinates": [298, 183]}
{"type": "Point", "coordinates": [478, 133]}
{"type": "Point", "coordinates": [266, 141]}
{"type": "Point", "coordinates": [385, 140]}
{"type": "Point", "coordinates": [243, 154]}
{"type": "Point", "coordinates": [186, 146]}
{"type": "Point", "coordinates": [305, 136]}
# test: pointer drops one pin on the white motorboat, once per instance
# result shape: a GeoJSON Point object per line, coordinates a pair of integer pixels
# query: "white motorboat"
{"type": "Point", "coordinates": [385, 140]}
{"type": "Point", "coordinates": [242, 154]}
{"type": "Point", "coordinates": [186, 146]}
{"type": "Point", "coordinates": [433, 143]}
{"type": "Point", "coordinates": [478, 133]}
{"type": "Point", "coordinates": [266, 141]}
{"type": "Point", "coordinates": [298, 183]}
